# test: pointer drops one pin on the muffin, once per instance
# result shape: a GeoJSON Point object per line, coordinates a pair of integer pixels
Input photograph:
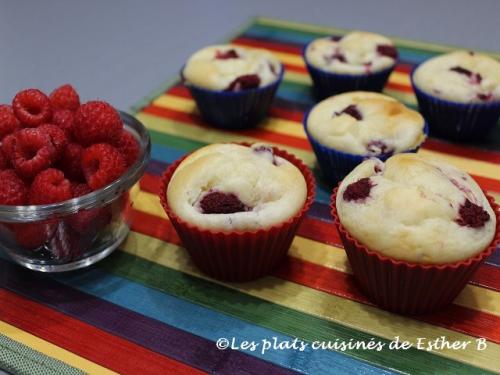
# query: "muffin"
{"type": "Point", "coordinates": [233, 86]}
{"type": "Point", "coordinates": [236, 207]}
{"type": "Point", "coordinates": [415, 230]}
{"type": "Point", "coordinates": [357, 61]}
{"type": "Point", "coordinates": [459, 94]}
{"type": "Point", "coordinates": [346, 129]}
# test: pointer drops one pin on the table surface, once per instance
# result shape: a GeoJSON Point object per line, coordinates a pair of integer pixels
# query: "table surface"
{"type": "Point", "coordinates": [121, 50]}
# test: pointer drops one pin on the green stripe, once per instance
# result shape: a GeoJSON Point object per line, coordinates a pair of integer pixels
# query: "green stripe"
{"type": "Point", "coordinates": [275, 317]}
{"type": "Point", "coordinates": [17, 358]}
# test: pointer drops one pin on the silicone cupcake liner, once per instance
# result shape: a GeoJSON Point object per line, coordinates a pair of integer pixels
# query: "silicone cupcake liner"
{"type": "Point", "coordinates": [335, 164]}
{"type": "Point", "coordinates": [235, 110]}
{"type": "Point", "coordinates": [457, 121]}
{"type": "Point", "coordinates": [404, 287]}
{"type": "Point", "coordinates": [329, 83]}
{"type": "Point", "coordinates": [239, 255]}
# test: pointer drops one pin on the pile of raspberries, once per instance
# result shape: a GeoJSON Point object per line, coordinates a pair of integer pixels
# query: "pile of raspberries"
{"type": "Point", "coordinates": [53, 148]}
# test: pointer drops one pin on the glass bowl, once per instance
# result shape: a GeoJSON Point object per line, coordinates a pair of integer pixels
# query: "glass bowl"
{"type": "Point", "coordinates": [78, 232]}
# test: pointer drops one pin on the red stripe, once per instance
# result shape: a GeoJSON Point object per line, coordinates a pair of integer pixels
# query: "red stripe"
{"type": "Point", "coordinates": [296, 116]}
{"type": "Point", "coordinates": [192, 119]}
{"type": "Point", "coordinates": [93, 344]}
{"type": "Point", "coordinates": [472, 322]}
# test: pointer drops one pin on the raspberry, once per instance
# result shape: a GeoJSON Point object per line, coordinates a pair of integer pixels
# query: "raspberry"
{"type": "Point", "coordinates": [378, 147]}
{"type": "Point", "coordinates": [128, 147]}
{"type": "Point", "coordinates": [351, 110]}
{"type": "Point", "coordinates": [229, 54]}
{"type": "Point", "coordinates": [13, 191]}
{"type": "Point", "coordinates": [460, 70]}
{"type": "Point", "coordinates": [102, 164]}
{"type": "Point", "coordinates": [387, 50]}
{"type": "Point", "coordinates": [57, 135]}
{"type": "Point", "coordinates": [97, 122]}
{"type": "Point", "coordinates": [90, 221]}
{"type": "Point", "coordinates": [50, 186]}
{"type": "Point", "coordinates": [4, 162]}
{"type": "Point", "coordinates": [34, 235]}
{"type": "Point", "coordinates": [8, 122]}
{"type": "Point", "coordinates": [7, 146]}
{"type": "Point", "coordinates": [33, 152]}
{"type": "Point", "coordinates": [70, 162]}
{"type": "Point", "coordinates": [66, 244]}
{"type": "Point", "coordinates": [217, 202]}
{"type": "Point", "coordinates": [472, 215]}
{"type": "Point", "coordinates": [359, 190]}
{"type": "Point", "coordinates": [32, 107]}
{"type": "Point", "coordinates": [244, 82]}
{"type": "Point", "coordinates": [65, 97]}
{"type": "Point", "coordinates": [80, 189]}
{"type": "Point", "coordinates": [64, 118]}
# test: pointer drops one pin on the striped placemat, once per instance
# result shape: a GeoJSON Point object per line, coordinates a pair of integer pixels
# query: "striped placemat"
{"type": "Point", "coordinates": [147, 310]}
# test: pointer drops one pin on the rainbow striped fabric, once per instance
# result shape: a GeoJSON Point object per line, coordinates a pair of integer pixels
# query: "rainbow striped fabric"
{"type": "Point", "coordinates": [147, 310]}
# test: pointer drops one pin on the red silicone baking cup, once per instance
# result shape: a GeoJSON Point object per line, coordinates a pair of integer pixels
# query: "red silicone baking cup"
{"type": "Point", "coordinates": [405, 287]}
{"type": "Point", "coordinates": [239, 255]}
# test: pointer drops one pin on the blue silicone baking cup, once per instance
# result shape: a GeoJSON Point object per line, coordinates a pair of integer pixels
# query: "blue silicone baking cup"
{"type": "Point", "coordinates": [335, 164]}
{"type": "Point", "coordinates": [329, 83]}
{"type": "Point", "coordinates": [456, 121]}
{"type": "Point", "coordinates": [234, 110]}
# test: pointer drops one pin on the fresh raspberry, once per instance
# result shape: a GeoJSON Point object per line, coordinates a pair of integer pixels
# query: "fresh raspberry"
{"type": "Point", "coordinates": [80, 189]}
{"type": "Point", "coordinates": [34, 235]}
{"type": "Point", "coordinates": [65, 97]}
{"type": "Point", "coordinates": [90, 221]}
{"type": "Point", "coordinates": [4, 162]}
{"type": "Point", "coordinates": [32, 107]}
{"type": "Point", "coordinates": [359, 190]}
{"type": "Point", "coordinates": [67, 244]}
{"type": "Point", "coordinates": [217, 202]}
{"type": "Point", "coordinates": [128, 147]}
{"type": "Point", "coordinates": [7, 146]}
{"type": "Point", "coordinates": [57, 135]}
{"type": "Point", "coordinates": [351, 110]}
{"type": "Point", "coordinates": [387, 50]}
{"type": "Point", "coordinates": [13, 191]}
{"type": "Point", "coordinates": [244, 82]}
{"type": "Point", "coordinates": [229, 54]}
{"type": "Point", "coordinates": [70, 162]}
{"type": "Point", "coordinates": [472, 215]}
{"type": "Point", "coordinates": [102, 164]}
{"type": "Point", "coordinates": [50, 186]}
{"type": "Point", "coordinates": [64, 118]}
{"type": "Point", "coordinates": [33, 152]}
{"type": "Point", "coordinates": [8, 121]}
{"type": "Point", "coordinates": [97, 122]}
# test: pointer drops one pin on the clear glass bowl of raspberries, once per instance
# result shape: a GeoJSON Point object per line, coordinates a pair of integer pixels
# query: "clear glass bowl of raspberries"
{"type": "Point", "coordinates": [68, 175]}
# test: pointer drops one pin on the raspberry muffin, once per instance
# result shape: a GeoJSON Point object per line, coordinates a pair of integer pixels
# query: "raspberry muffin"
{"type": "Point", "coordinates": [233, 86]}
{"type": "Point", "coordinates": [346, 129]}
{"type": "Point", "coordinates": [459, 94]}
{"type": "Point", "coordinates": [236, 207]}
{"type": "Point", "coordinates": [415, 230]}
{"type": "Point", "coordinates": [357, 61]}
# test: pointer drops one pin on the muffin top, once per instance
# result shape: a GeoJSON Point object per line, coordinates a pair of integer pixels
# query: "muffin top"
{"type": "Point", "coordinates": [230, 68]}
{"type": "Point", "coordinates": [230, 187]}
{"type": "Point", "coordinates": [416, 210]}
{"type": "Point", "coordinates": [365, 123]}
{"type": "Point", "coordinates": [460, 76]}
{"type": "Point", "coordinates": [358, 52]}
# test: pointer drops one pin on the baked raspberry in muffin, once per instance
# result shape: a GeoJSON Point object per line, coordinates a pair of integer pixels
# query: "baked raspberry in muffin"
{"type": "Point", "coordinates": [459, 93]}
{"type": "Point", "coordinates": [236, 208]}
{"type": "Point", "coordinates": [347, 128]}
{"type": "Point", "coordinates": [357, 61]}
{"type": "Point", "coordinates": [414, 229]}
{"type": "Point", "coordinates": [232, 86]}
{"type": "Point", "coordinates": [230, 187]}
{"type": "Point", "coordinates": [232, 69]}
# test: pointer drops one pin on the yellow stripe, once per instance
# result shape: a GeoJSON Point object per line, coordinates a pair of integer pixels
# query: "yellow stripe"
{"type": "Point", "coordinates": [52, 350]}
{"type": "Point", "coordinates": [473, 297]}
{"type": "Point", "coordinates": [431, 47]}
{"type": "Point", "coordinates": [199, 134]}
{"type": "Point", "coordinates": [309, 301]}
{"type": "Point", "coordinates": [477, 167]}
